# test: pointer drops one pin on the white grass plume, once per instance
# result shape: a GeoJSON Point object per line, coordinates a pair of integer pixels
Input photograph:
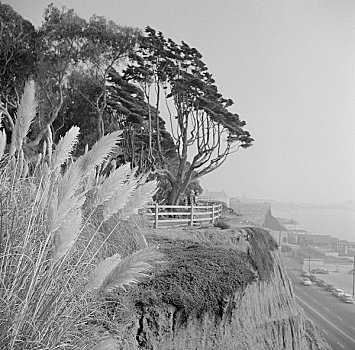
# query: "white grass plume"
{"type": "Point", "coordinates": [99, 152]}
{"type": "Point", "coordinates": [102, 270]}
{"type": "Point", "coordinates": [119, 200]}
{"type": "Point", "coordinates": [65, 147]}
{"type": "Point", "coordinates": [111, 185]}
{"type": "Point", "coordinates": [70, 182]}
{"type": "Point", "coordinates": [67, 198]}
{"type": "Point", "coordinates": [2, 142]}
{"type": "Point", "coordinates": [140, 198]}
{"type": "Point", "coordinates": [25, 115]}
{"type": "Point", "coordinates": [128, 270]}
{"type": "Point", "coordinates": [68, 233]}
{"type": "Point", "coordinates": [50, 142]}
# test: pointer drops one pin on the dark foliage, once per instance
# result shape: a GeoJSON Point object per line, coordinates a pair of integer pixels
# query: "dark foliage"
{"type": "Point", "coordinates": [128, 109]}
{"type": "Point", "coordinates": [18, 57]}
{"type": "Point", "coordinates": [204, 129]}
{"type": "Point", "coordinates": [196, 279]}
{"type": "Point", "coordinates": [222, 224]}
{"type": "Point", "coordinates": [261, 245]}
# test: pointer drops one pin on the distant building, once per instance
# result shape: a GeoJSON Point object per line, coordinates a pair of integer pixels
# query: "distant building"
{"type": "Point", "coordinates": [344, 248]}
{"type": "Point", "coordinates": [321, 241]}
{"type": "Point", "coordinates": [250, 208]}
{"type": "Point", "coordinates": [290, 224]}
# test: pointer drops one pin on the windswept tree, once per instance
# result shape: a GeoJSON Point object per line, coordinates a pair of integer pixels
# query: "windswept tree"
{"type": "Point", "coordinates": [129, 109]}
{"type": "Point", "coordinates": [60, 40]}
{"type": "Point", "coordinates": [70, 51]}
{"type": "Point", "coordinates": [107, 45]}
{"type": "Point", "coordinates": [18, 59]}
{"type": "Point", "coordinates": [177, 82]}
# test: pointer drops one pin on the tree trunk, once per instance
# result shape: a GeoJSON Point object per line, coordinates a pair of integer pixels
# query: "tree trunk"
{"type": "Point", "coordinates": [175, 194]}
{"type": "Point", "coordinates": [99, 125]}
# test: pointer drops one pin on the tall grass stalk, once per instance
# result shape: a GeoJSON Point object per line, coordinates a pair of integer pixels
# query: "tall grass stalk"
{"type": "Point", "coordinates": [54, 238]}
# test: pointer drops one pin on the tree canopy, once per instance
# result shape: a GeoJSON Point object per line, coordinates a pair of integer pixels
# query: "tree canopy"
{"type": "Point", "coordinates": [17, 58]}
{"type": "Point", "coordinates": [205, 131]}
{"type": "Point", "coordinates": [103, 76]}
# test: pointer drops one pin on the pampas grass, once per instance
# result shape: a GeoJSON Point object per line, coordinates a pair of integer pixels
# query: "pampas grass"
{"type": "Point", "coordinates": [140, 198]}
{"type": "Point", "coordinates": [54, 238]}
{"type": "Point", "coordinates": [112, 184]}
{"type": "Point", "coordinates": [98, 153]}
{"type": "Point", "coordinates": [65, 147]}
{"type": "Point", "coordinates": [25, 114]}
{"type": "Point", "coordinates": [131, 269]}
{"type": "Point", "coordinates": [115, 272]}
{"type": "Point", "coordinates": [2, 142]}
{"type": "Point", "coordinates": [101, 271]}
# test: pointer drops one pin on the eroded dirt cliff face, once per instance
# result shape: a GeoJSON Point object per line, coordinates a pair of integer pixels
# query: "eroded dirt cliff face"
{"type": "Point", "coordinates": [260, 314]}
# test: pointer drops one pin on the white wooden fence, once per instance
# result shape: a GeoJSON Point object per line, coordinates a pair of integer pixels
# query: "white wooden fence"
{"type": "Point", "coordinates": [177, 215]}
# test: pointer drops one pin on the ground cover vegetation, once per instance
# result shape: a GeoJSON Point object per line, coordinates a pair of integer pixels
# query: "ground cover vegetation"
{"type": "Point", "coordinates": [104, 77]}
{"type": "Point", "coordinates": [67, 240]}
{"type": "Point", "coordinates": [197, 279]}
{"type": "Point", "coordinates": [204, 272]}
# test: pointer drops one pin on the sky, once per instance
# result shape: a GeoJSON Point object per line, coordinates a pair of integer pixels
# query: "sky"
{"type": "Point", "coordinates": [289, 65]}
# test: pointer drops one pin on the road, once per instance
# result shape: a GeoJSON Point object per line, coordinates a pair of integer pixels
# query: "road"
{"type": "Point", "coordinates": [335, 318]}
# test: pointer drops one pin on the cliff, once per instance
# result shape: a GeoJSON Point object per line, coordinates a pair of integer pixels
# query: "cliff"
{"type": "Point", "coordinates": [218, 290]}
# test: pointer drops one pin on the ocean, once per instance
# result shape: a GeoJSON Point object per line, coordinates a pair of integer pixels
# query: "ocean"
{"type": "Point", "coordinates": [336, 222]}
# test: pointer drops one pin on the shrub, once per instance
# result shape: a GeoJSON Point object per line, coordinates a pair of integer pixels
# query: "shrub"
{"type": "Point", "coordinates": [196, 278]}
{"type": "Point", "coordinates": [58, 219]}
{"type": "Point", "coordinates": [261, 244]}
{"type": "Point", "coordinates": [221, 224]}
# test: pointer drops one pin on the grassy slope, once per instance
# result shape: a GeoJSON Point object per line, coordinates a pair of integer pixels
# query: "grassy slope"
{"type": "Point", "coordinates": [205, 267]}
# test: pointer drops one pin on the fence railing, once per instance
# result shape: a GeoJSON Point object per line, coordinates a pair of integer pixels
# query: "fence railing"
{"type": "Point", "coordinates": [176, 215]}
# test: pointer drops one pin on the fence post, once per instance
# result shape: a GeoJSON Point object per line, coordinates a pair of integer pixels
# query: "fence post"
{"type": "Point", "coordinates": [213, 213]}
{"type": "Point", "coordinates": [192, 215]}
{"type": "Point", "coordinates": [156, 215]}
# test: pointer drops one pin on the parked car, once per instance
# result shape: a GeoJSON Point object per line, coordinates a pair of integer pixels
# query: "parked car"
{"type": "Point", "coordinates": [329, 287]}
{"type": "Point", "coordinates": [320, 270]}
{"type": "Point", "coordinates": [322, 283]}
{"type": "Point", "coordinates": [306, 281]}
{"type": "Point", "coordinates": [313, 278]}
{"type": "Point", "coordinates": [347, 298]}
{"type": "Point", "coordinates": [305, 274]}
{"type": "Point", "coordinates": [351, 272]}
{"type": "Point", "coordinates": [338, 292]}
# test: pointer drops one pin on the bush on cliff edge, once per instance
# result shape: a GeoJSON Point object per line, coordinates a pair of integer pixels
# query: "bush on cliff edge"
{"type": "Point", "coordinates": [262, 244]}
{"type": "Point", "coordinates": [196, 279]}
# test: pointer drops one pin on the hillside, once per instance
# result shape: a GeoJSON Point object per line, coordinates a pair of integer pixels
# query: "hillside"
{"type": "Point", "coordinates": [221, 289]}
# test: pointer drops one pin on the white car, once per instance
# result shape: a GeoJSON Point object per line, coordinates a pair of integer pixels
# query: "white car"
{"type": "Point", "coordinates": [306, 281]}
{"type": "Point", "coordinates": [338, 292]}
{"type": "Point", "coordinates": [347, 298]}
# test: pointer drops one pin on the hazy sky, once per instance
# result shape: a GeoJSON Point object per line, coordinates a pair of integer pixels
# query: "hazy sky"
{"type": "Point", "coordinates": [290, 68]}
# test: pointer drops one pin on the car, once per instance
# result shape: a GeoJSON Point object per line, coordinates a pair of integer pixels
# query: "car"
{"type": "Point", "coordinates": [351, 272]}
{"type": "Point", "coordinates": [305, 274]}
{"type": "Point", "coordinates": [313, 278]}
{"type": "Point", "coordinates": [322, 283]}
{"type": "Point", "coordinates": [322, 270]}
{"type": "Point", "coordinates": [347, 298]}
{"type": "Point", "coordinates": [329, 287]}
{"type": "Point", "coordinates": [338, 292]}
{"type": "Point", "coordinates": [306, 281]}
